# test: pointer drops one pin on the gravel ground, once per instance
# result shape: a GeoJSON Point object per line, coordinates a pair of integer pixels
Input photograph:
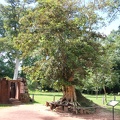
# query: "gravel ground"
{"type": "Point", "coordinates": [40, 112]}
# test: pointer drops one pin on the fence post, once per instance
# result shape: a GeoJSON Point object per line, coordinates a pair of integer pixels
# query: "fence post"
{"type": "Point", "coordinates": [103, 100]}
{"type": "Point", "coordinates": [33, 97]}
{"type": "Point", "coordinates": [54, 98]}
{"type": "Point", "coordinates": [114, 98]}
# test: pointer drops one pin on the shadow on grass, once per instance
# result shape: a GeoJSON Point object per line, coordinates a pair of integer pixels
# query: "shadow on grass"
{"type": "Point", "coordinates": [9, 105]}
{"type": "Point", "coordinates": [33, 102]}
{"type": "Point", "coordinates": [116, 108]}
{"type": "Point", "coordinates": [5, 105]}
{"type": "Point", "coordinates": [93, 96]}
{"type": "Point", "coordinates": [117, 111]}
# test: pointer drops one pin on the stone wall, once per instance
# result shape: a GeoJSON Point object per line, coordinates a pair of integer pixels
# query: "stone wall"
{"type": "Point", "coordinates": [24, 94]}
{"type": "Point", "coordinates": [4, 91]}
{"type": "Point", "coordinates": [14, 89]}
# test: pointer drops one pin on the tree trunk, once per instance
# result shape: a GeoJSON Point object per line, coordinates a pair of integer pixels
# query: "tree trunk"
{"type": "Point", "coordinates": [105, 93]}
{"type": "Point", "coordinates": [73, 95]}
{"type": "Point", "coordinates": [69, 93]}
{"type": "Point", "coordinates": [16, 69]}
{"type": "Point", "coordinates": [15, 77]}
{"type": "Point", "coordinates": [96, 91]}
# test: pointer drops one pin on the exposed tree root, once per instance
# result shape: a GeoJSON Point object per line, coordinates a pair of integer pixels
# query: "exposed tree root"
{"type": "Point", "coordinates": [82, 105]}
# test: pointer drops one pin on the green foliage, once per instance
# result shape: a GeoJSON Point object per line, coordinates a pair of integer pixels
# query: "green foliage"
{"type": "Point", "coordinates": [113, 40]}
{"type": "Point", "coordinates": [61, 34]}
{"type": "Point", "coordinates": [2, 30]}
{"type": "Point", "coordinates": [6, 65]}
{"type": "Point", "coordinates": [104, 73]}
{"type": "Point", "coordinates": [10, 15]}
{"type": "Point", "coordinates": [113, 9]}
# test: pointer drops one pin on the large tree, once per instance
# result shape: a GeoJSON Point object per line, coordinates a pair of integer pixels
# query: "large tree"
{"type": "Point", "coordinates": [62, 34]}
{"type": "Point", "coordinates": [11, 13]}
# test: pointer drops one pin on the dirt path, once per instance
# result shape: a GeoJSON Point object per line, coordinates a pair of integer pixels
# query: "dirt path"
{"type": "Point", "coordinates": [40, 112]}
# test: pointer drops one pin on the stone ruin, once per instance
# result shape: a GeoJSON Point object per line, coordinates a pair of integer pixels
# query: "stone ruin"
{"type": "Point", "coordinates": [14, 91]}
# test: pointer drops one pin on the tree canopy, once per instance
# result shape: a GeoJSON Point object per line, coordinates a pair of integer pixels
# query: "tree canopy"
{"type": "Point", "coordinates": [62, 34]}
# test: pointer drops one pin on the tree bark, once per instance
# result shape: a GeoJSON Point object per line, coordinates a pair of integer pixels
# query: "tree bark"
{"type": "Point", "coordinates": [16, 69]}
{"type": "Point", "coordinates": [69, 93]}
{"type": "Point", "coordinates": [15, 77]}
{"type": "Point", "coordinates": [105, 93]}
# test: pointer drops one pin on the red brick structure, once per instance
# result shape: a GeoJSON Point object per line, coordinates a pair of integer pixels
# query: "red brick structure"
{"type": "Point", "coordinates": [13, 90]}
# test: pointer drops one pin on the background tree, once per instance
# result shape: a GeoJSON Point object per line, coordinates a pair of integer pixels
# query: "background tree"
{"type": "Point", "coordinates": [6, 65]}
{"type": "Point", "coordinates": [113, 41]}
{"type": "Point", "coordinates": [113, 9]}
{"type": "Point", "coordinates": [10, 27]}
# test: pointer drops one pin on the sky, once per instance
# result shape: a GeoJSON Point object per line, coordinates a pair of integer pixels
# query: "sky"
{"type": "Point", "coordinates": [112, 26]}
{"type": "Point", "coordinates": [2, 1]}
{"type": "Point", "coordinates": [105, 30]}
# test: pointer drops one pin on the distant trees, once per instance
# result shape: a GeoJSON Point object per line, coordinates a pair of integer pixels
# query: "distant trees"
{"type": "Point", "coordinates": [114, 40]}
{"type": "Point", "coordinates": [113, 9]}
{"type": "Point", "coordinates": [6, 65]}
{"type": "Point", "coordinates": [10, 28]}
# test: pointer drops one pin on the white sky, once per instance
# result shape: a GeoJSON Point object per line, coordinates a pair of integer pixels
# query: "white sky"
{"type": "Point", "coordinates": [2, 1]}
{"type": "Point", "coordinates": [113, 26]}
{"type": "Point", "coordinates": [106, 30]}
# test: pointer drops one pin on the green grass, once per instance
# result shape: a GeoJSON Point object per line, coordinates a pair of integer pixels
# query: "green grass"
{"type": "Point", "coordinates": [42, 97]}
{"type": "Point", "coordinates": [4, 105]}
{"type": "Point", "coordinates": [100, 102]}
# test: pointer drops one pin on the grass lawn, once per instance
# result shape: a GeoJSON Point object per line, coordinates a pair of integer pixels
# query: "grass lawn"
{"type": "Point", "coordinates": [4, 105]}
{"type": "Point", "coordinates": [100, 102]}
{"type": "Point", "coordinates": [42, 97]}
